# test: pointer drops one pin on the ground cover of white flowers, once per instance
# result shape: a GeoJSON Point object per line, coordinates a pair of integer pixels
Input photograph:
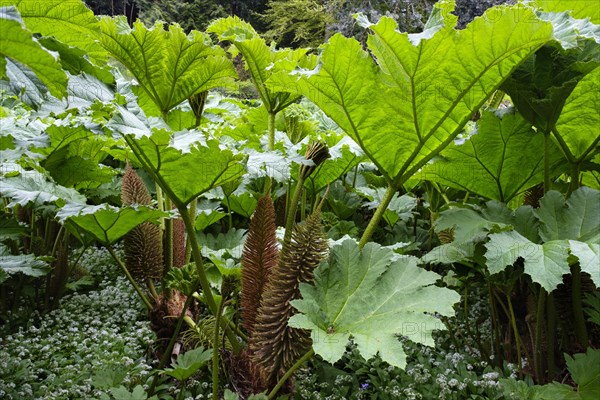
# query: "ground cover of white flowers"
{"type": "Point", "coordinates": [80, 349]}
{"type": "Point", "coordinates": [99, 340]}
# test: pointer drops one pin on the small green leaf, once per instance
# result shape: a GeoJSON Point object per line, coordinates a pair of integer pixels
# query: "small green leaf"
{"type": "Point", "coordinates": [188, 363]}
{"type": "Point", "coordinates": [261, 60]}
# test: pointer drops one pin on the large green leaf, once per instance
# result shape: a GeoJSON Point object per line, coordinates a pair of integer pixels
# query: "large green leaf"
{"type": "Point", "coordinates": [372, 297]}
{"type": "Point", "coordinates": [545, 263]}
{"type": "Point", "coordinates": [23, 187]}
{"type": "Point", "coordinates": [262, 61]}
{"type": "Point", "coordinates": [577, 8]}
{"type": "Point", "coordinates": [504, 158]}
{"type": "Point", "coordinates": [106, 223]}
{"type": "Point", "coordinates": [70, 21]}
{"type": "Point", "coordinates": [406, 107]}
{"type": "Point", "coordinates": [74, 154]}
{"type": "Point", "coordinates": [578, 123]}
{"type": "Point", "coordinates": [25, 264]}
{"type": "Point", "coordinates": [585, 370]}
{"type": "Point", "coordinates": [169, 66]}
{"type": "Point", "coordinates": [571, 227]}
{"type": "Point", "coordinates": [185, 164]}
{"type": "Point", "coordinates": [17, 43]}
{"type": "Point", "coordinates": [578, 218]}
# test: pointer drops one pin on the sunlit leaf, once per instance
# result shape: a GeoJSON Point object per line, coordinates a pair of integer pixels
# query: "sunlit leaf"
{"type": "Point", "coordinates": [366, 296]}
{"type": "Point", "coordinates": [18, 44]}
{"type": "Point", "coordinates": [169, 66]}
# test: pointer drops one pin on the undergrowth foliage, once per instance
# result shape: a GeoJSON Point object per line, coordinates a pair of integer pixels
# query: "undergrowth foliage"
{"type": "Point", "coordinates": [456, 171]}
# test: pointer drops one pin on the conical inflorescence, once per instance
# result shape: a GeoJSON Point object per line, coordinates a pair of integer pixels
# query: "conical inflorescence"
{"type": "Point", "coordinates": [260, 256]}
{"type": "Point", "coordinates": [274, 346]}
{"type": "Point", "coordinates": [143, 244]}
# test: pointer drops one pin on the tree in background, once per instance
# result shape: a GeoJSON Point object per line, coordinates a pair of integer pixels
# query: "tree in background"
{"type": "Point", "coordinates": [129, 8]}
{"type": "Point", "coordinates": [298, 23]}
{"type": "Point", "coordinates": [190, 14]}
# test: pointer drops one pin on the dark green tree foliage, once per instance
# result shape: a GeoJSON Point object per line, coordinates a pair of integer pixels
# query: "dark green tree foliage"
{"type": "Point", "coordinates": [190, 14]}
{"type": "Point", "coordinates": [297, 23]}
{"type": "Point", "coordinates": [274, 346]}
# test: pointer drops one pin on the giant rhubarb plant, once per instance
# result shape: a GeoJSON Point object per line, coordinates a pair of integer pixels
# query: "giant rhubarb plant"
{"type": "Point", "coordinates": [407, 99]}
{"type": "Point", "coordinates": [262, 62]}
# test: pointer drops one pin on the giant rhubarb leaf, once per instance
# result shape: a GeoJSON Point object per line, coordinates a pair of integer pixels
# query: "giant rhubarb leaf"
{"type": "Point", "coordinates": [577, 9]}
{"type": "Point", "coordinates": [23, 187]}
{"type": "Point", "coordinates": [18, 44]}
{"type": "Point", "coordinates": [578, 123]}
{"type": "Point", "coordinates": [566, 227]}
{"type": "Point", "coordinates": [504, 158]}
{"type": "Point", "coordinates": [169, 66]}
{"type": "Point", "coordinates": [69, 21]}
{"type": "Point", "coordinates": [372, 297]}
{"type": "Point", "coordinates": [261, 60]}
{"type": "Point", "coordinates": [106, 223]}
{"type": "Point", "coordinates": [25, 264]}
{"type": "Point", "coordinates": [185, 164]}
{"type": "Point", "coordinates": [407, 106]}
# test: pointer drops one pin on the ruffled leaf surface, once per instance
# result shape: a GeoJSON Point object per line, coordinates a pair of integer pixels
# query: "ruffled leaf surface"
{"type": "Point", "coordinates": [504, 158]}
{"type": "Point", "coordinates": [371, 296]}
{"type": "Point", "coordinates": [17, 43]}
{"type": "Point", "coordinates": [406, 107]}
{"type": "Point", "coordinates": [106, 223]}
{"type": "Point", "coordinates": [169, 66]}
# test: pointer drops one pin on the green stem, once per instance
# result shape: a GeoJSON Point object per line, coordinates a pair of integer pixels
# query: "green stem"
{"type": "Point", "coordinates": [495, 326]}
{"type": "Point", "coordinates": [290, 372]}
{"type": "Point", "coordinates": [547, 180]}
{"type": "Point", "coordinates": [188, 245]}
{"type": "Point", "coordinates": [513, 323]}
{"type": "Point", "coordinates": [550, 335]}
{"type": "Point", "coordinates": [385, 202]}
{"type": "Point", "coordinates": [168, 239]}
{"type": "Point", "coordinates": [303, 206]}
{"type": "Point", "coordinates": [204, 283]}
{"type": "Point", "coordinates": [574, 184]}
{"type": "Point", "coordinates": [167, 354]}
{"type": "Point", "coordinates": [57, 240]}
{"type": "Point", "coordinates": [580, 328]}
{"type": "Point", "coordinates": [159, 202]}
{"type": "Point", "coordinates": [271, 126]}
{"type": "Point", "coordinates": [181, 391]}
{"type": "Point", "coordinates": [229, 213]}
{"type": "Point", "coordinates": [291, 212]}
{"type": "Point", "coordinates": [129, 277]}
{"type": "Point", "coordinates": [539, 329]}
{"type": "Point", "coordinates": [151, 288]}
{"type": "Point", "coordinates": [215, 354]}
